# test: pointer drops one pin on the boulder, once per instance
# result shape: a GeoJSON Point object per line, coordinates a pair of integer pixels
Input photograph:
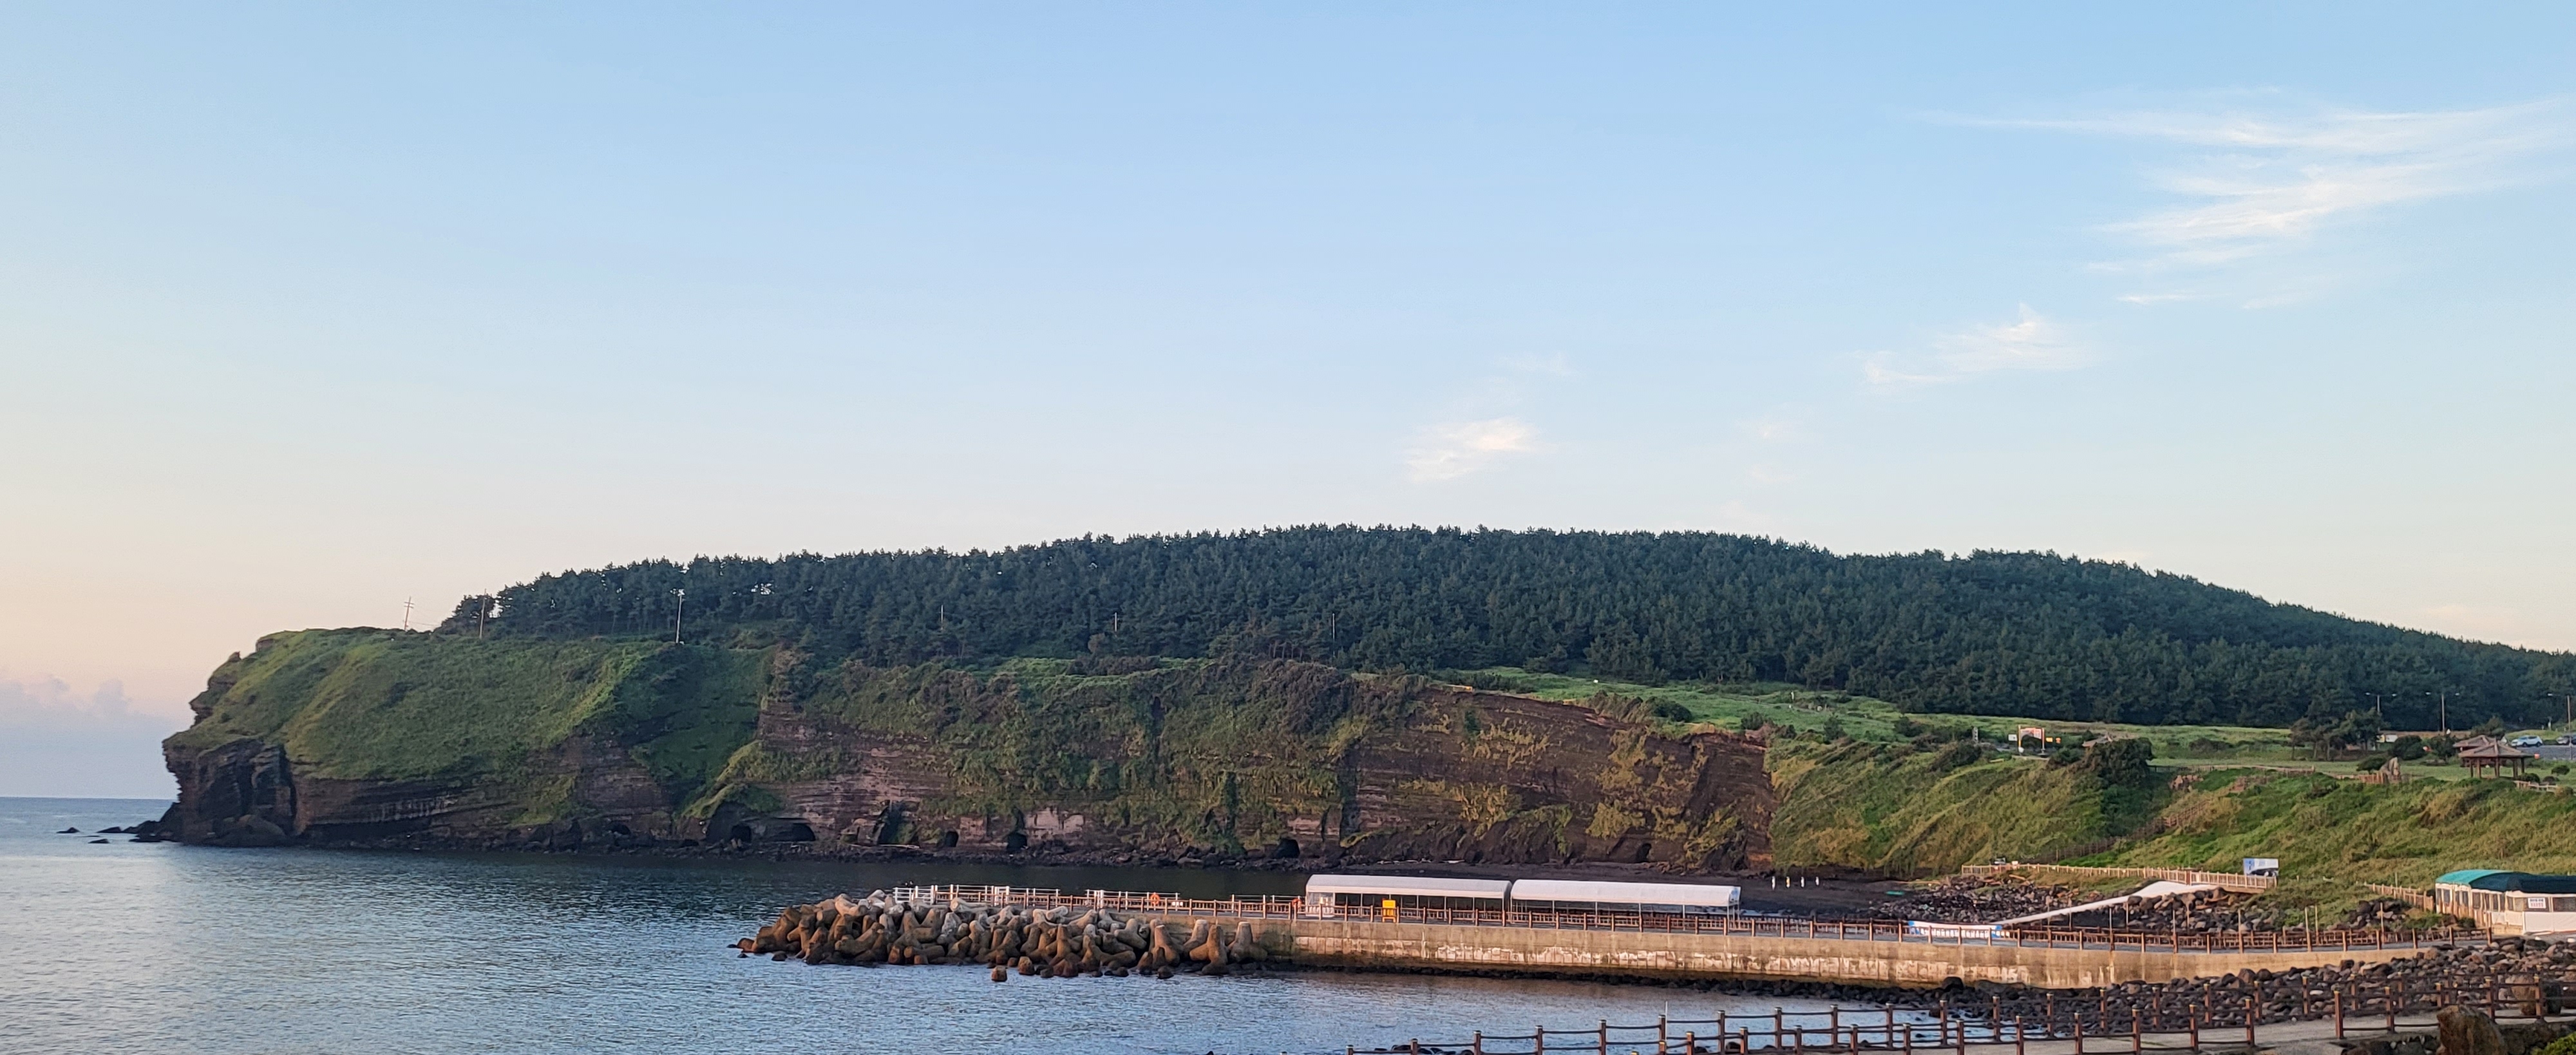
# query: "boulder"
{"type": "Point", "coordinates": [2468, 1031]}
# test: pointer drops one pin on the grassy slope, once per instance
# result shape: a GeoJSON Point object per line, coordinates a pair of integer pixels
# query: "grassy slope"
{"type": "Point", "coordinates": [2344, 830]}
{"type": "Point", "coordinates": [1886, 808]}
{"type": "Point", "coordinates": [1863, 718]}
{"type": "Point", "coordinates": [384, 705]}
{"type": "Point", "coordinates": [1874, 805]}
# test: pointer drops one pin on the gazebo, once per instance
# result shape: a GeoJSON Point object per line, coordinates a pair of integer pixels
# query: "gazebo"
{"type": "Point", "coordinates": [2488, 752]}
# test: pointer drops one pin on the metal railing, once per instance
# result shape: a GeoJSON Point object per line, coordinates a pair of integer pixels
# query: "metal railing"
{"type": "Point", "coordinates": [2221, 880]}
{"type": "Point", "coordinates": [2103, 1023]}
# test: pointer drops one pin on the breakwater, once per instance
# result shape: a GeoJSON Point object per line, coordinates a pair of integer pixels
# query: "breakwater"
{"type": "Point", "coordinates": [1059, 940]}
{"type": "Point", "coordinates": [1055, 930]}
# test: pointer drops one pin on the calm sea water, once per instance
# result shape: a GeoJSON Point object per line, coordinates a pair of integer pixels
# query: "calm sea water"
{"type": "Point", "coordinates": [158, 947]}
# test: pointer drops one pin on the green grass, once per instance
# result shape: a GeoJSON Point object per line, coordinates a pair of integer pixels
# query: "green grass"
{"type": "Point", "coordinates": [2349, 831]}
{"type": "Point", "coordinates": [1892, 810]}
{"type": "Point", "coordinates": [390, 705]}
{"type": "Point", "coordinates": [1864, 718]}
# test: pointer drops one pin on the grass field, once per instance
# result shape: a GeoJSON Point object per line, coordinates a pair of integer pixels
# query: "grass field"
{"type": "Point", "coordinates": [1873, 720]}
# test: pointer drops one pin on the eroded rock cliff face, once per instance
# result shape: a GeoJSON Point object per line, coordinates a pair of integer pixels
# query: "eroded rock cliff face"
{"type": "Point", "coordinates": [373, 736]}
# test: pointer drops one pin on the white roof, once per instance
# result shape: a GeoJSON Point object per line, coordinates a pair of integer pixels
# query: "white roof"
{"type": "Point", "coordinates": [1406, 886]}
{"type": "Point", "coordinates": [1626, 893]}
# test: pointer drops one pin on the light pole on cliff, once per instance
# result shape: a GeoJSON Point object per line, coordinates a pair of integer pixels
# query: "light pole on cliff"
{"type": "Point", "coordinates": [679, 614]}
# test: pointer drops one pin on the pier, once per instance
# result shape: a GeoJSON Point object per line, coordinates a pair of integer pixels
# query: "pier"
{"type": "Point", "coordinates": [1870, 952]}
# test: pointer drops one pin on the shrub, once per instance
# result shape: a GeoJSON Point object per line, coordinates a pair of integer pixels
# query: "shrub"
{"type": "Point", "coordinates": [1959, 755]}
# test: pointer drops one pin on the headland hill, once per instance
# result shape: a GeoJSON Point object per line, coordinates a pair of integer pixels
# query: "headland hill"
{"type": "Point", "coordinates": [1335, 696]}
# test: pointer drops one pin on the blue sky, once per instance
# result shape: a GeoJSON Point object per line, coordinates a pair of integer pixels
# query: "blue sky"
{"type": "Point", "coordinates": [307, 310]}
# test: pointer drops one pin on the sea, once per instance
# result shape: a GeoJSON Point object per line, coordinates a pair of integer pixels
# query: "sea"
{"type": "Point", "coordinates": [158, 947]}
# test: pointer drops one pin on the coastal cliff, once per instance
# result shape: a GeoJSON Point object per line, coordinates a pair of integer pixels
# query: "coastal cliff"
{"type": "Point", "coordinates": [386, 738]}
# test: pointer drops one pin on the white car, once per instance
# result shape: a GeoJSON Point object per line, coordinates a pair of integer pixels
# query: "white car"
{"type": "Point", "coordinates": [2525, 741]}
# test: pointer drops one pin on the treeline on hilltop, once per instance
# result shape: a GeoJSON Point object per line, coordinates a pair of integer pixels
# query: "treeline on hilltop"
{"type": "Point", "coordinates": [1992, 633]}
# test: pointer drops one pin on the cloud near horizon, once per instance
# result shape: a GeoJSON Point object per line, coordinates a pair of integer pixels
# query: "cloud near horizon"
{"type": "Point", "coordinates": [1458, 448]}
{"type": "Point", "coordinates": [2029, 342]}
{"type": "Point", "coordinates": [55, 741]}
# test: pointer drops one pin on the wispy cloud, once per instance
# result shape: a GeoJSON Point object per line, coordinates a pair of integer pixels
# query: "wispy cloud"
{"type": "Point", "coordinates": [1776, 428]}
{"type": "Point", "coordinates": [1455, 449]}
{"type": "Point", "coordinates": [2270, 180]}
{"type": "Point", "coordinates": [1482, 425]}
{"type": "Point", "coordinates": [2029, 342]}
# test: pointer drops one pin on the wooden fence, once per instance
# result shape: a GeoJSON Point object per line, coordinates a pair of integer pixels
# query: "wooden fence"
{"type": "Point", "coordinates": [2409, 895]}
{"type": "Point", "coordinates": [2097, 1023]}
{"type": "Point", "coordinates": [2222, 880]}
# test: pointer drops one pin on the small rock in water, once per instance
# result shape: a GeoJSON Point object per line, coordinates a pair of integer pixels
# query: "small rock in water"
{"type": "Point", "coordinates": [68, 831]}
{"type": "Point", "coordinates": [95, 842]}
{"type": "Point", "coordinates": [1001, 974]}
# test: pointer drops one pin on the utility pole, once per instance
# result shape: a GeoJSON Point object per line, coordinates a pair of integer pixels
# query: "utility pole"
{"type": "Point", "coordinates": [406, 613]}
{"type": "Point", "coordinates": [682, 613]}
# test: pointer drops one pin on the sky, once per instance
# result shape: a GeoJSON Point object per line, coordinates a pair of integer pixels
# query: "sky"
{"type": "Point", "coordinates": [309, 311]}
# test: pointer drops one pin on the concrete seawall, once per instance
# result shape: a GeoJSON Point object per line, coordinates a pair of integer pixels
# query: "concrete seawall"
{"type": "Point", "coordinates": [1649, 954]}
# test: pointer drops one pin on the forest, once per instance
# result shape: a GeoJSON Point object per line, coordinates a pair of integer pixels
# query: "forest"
{"type": "Point", "coordinates": [1987, 633]}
